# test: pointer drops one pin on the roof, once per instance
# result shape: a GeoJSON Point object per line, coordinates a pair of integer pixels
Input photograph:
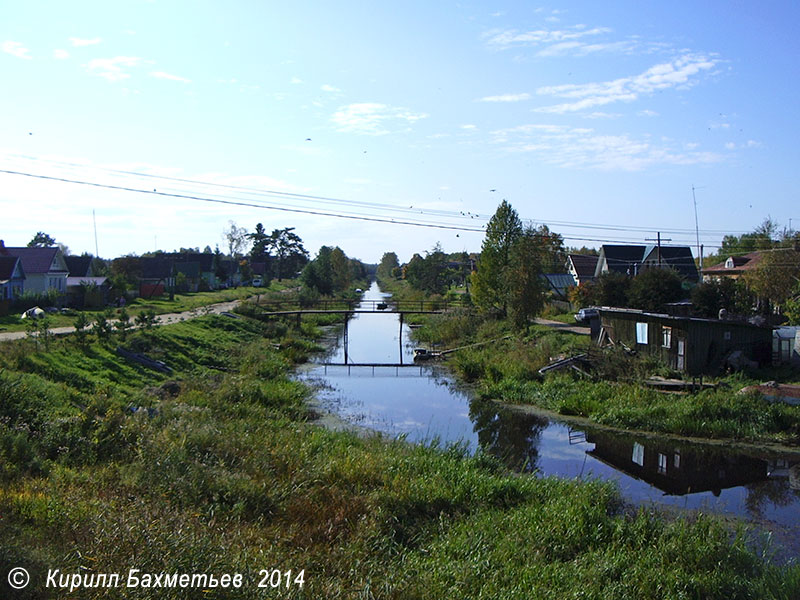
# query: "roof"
{"type": "Point", "coordinates": [76, 281]}
{"type": "Point", "coordinates": [35, 261]}
{"type": "Point", "coordinates": [189, 269]}
{"type": "Point", "coordinates": [78, 265]}
{"type": "Point", "coordinates": [559, 281]}
{"type": "Point", "coordinates": [679, 258]}
{"type": "Point", "coordinates": [7, 264]}
{"type": "Point", "coordinates": [621, 259]}
{"type": "Point", "coordinates": [155, 267]}
{"type": "Point", "coordinates": [744, 262]}
{"type": "Point", "coordinates": [584, 264]}
{"type": "Point", "coordinates": [644, 313]}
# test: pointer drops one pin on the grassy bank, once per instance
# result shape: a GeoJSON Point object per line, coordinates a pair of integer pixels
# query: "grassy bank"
{"type": "Point", "coordinates": [215, 468]}
{"type": "Point", "coordinates": [160, 305]}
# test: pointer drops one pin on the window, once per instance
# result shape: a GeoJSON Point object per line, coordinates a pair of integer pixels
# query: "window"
{"type": "Point", "coordinates": [677, 459]}
{"type": "Point", "coordinates": [638, 454]}
{"type": "Point", "coordinates": [729, 263]}
{"type": "Point", "coordinates": [727, 336]}
{"type": "Point", "coordinates": [662, 463]}
{"type": "Point", "coordinates": [641, 333]}
{"type": "Point", "coordinates": [666, 337]}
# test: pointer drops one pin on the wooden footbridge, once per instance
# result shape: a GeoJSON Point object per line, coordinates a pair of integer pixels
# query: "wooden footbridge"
{"type": "Point", "coordinates": [346, 308]}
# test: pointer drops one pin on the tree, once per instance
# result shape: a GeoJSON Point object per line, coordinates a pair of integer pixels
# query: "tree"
{"type": "Point", "coordinates": [260, 241]}
{"type": "Point", "coordinates": [523, 281]}
{"type": "Point", "coordinates": [236, 238]}
{"type": "Point", "coordinates": [287, 248]}
{"type": "Point", "coordinates": [318, 274]}
{"type": "Point", "coordinates": [341, 273]}
{"type": "Point", "coordinates": [387, 265]}
{"type": "Point", "coordinates": [652, 288]}
{"type": "Point", "coordinates": [776, 276]}
{"type": "Point", "coordinates": [502, 232]}
{"type": "Point", "coordinates": [42, 240]}
{"type": "Point", "coordinates": [609, 289]}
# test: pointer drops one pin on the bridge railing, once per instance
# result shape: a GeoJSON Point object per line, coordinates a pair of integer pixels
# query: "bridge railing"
{"type": "Point", "coordinates": [377, 306]}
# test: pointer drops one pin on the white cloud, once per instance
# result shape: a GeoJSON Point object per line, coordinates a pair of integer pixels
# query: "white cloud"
{"type": "Point", "coordinates": [372, 118]}
{"type": "Point", "coordinates": [296, 80]}
{"type": "Point", "coordinates": [78, 42]}
{"type": "Point", "coordinates": [16, 49]}
{"type": "Point", "coordinates": [677, 73]}
{"type": "Point", "coordinates": [171, 77]}
{"type": "Point", "coordinates": [468, 126]}
{"type": "Point", "coordinates": [584, 148]}
{"type": "Point", "coordinates": [730, 146]}
{"type": "Point", "coordinates": [506, 98]}
{"type": "Point", "coordinates": [111, 68]}
{"type": "Point", "coordinates": [647, 113]}
{"type": "Point", "coordinates": [330, 89]}
{"type": "Point", "coordinates": [60, 54]}
{"type": "Point", "coordinates": [512, 38]}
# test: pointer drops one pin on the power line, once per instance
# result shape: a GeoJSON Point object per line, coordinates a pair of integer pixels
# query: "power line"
{"type": "Point", "coordinates": [252, 204]}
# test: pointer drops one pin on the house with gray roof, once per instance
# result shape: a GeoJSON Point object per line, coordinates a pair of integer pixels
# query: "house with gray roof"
{"type": "Point", "coordinates": [44, 268]}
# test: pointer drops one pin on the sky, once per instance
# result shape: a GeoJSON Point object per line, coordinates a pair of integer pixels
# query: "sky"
{"type": "Point", "coordinates": [394, 126]}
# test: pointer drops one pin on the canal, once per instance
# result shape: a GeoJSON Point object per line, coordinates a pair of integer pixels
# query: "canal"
{"type": "Point", "coordinates": [425, 405]}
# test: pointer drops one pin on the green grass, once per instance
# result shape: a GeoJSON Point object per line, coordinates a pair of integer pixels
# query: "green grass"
{"type": "Point", "coordinates": [225, 473]}
{"type": "Point", "coordinates": [161, 305]}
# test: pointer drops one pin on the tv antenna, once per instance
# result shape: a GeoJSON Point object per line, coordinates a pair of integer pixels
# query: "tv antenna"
{"type": "Point", "coordinates": [696, 226]}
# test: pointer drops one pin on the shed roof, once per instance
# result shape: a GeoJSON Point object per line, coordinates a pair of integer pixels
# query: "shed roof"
{"type": "Point", "coordinates": [621, 258]}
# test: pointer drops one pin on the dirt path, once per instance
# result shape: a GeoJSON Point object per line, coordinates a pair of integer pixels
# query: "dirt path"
{"type": "Point", "coordinates": [164, 319]}
{"type": "Point", "coordinates": [563, 326]}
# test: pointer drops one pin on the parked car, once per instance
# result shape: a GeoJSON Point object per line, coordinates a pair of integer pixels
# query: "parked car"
{"type": "Point", "coordinates": [584, 314]}
{"type": "Point", "coordinates": [257, 282]}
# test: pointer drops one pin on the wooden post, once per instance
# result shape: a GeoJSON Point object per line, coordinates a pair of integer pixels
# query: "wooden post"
{"type": "Point", "coordinates": [345, 338]}
{"type": "Point", "coordinates": [401, 338]}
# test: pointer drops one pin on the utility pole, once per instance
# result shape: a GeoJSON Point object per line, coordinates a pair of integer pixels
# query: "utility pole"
{"type": "Point", "coordinates": [658, 239]}
{"type": "Point", "coordinates": [96, 250]}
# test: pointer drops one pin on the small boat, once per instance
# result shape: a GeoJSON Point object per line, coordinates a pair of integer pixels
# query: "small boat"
{"type": "Point", "coordinates": [422, 354]}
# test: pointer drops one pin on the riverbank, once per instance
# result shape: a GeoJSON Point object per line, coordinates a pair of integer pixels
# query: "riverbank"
{"type": "Point", "coordinates": [216, 468]}
{"type": "Point", "coordinates": [508, 372]}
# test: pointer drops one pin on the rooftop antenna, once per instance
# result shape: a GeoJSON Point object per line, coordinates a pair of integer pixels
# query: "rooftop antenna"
{"type": "Point", "coordinates": [94, 220]}
{"type": "Point", "coordinates": [697, 227]}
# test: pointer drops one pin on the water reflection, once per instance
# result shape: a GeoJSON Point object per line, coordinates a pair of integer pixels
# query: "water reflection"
{"type": "Point", "coordinates": [511, 437]}
{"type": "Point", "coordinates": [425, 404]}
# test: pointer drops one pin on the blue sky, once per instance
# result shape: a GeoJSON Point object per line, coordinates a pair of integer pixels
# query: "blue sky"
{"type": "Point", "coordinates": [596, 118]}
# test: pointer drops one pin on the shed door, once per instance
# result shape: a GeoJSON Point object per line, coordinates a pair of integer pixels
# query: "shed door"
{"type": "Point", "coordinates": [681, 359]}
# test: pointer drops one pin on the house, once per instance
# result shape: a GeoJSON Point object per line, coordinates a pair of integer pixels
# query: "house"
{"type": "Point", "coordinates": [733, 267]}
{"type": "Point", "coordinates": [156, 276]}
{"type": "Point", "coordinates": [44, 268]}
{"type": "Point", "coordinates": [679, 258]}
{"type": "Point", "coordinates": [80, 266]}
{"type": "Point", "coordinates": [582, 267]}
{"type": "Point", "coordinates": [12, 278]}
{"type": "Point", "coordinates": [692, 345]}
{"type": "Point", "coordinates": [619, 259]}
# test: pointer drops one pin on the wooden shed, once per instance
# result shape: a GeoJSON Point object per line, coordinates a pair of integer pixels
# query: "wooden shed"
{"type": "Point", "coordinates": [692, 345]}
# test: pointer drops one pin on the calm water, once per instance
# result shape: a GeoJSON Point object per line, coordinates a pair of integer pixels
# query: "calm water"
{"type": "Point", "coordinates": [424, 404]}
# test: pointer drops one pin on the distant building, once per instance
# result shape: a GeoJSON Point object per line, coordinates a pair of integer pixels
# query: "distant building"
{"type": "Point", "coordinates": [733, 267]}
{"type": "Point", "coordinates": [582, 267]}
{"type": "Point", "coordinates": [619, 259]}
{"type": "Point", "coordinates": [558, 283]}
{"type": "Point", "coordinates": [44, 268]}
{"type": "Point", "coordinates": [633, 259]}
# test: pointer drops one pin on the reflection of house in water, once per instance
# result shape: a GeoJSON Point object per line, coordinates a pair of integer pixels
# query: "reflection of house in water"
{"type": "Point", "coordinates": [675, 468]}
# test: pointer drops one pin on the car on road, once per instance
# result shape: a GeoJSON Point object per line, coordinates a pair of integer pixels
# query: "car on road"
{"type": "Point", "coordinates": [585, 314]}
